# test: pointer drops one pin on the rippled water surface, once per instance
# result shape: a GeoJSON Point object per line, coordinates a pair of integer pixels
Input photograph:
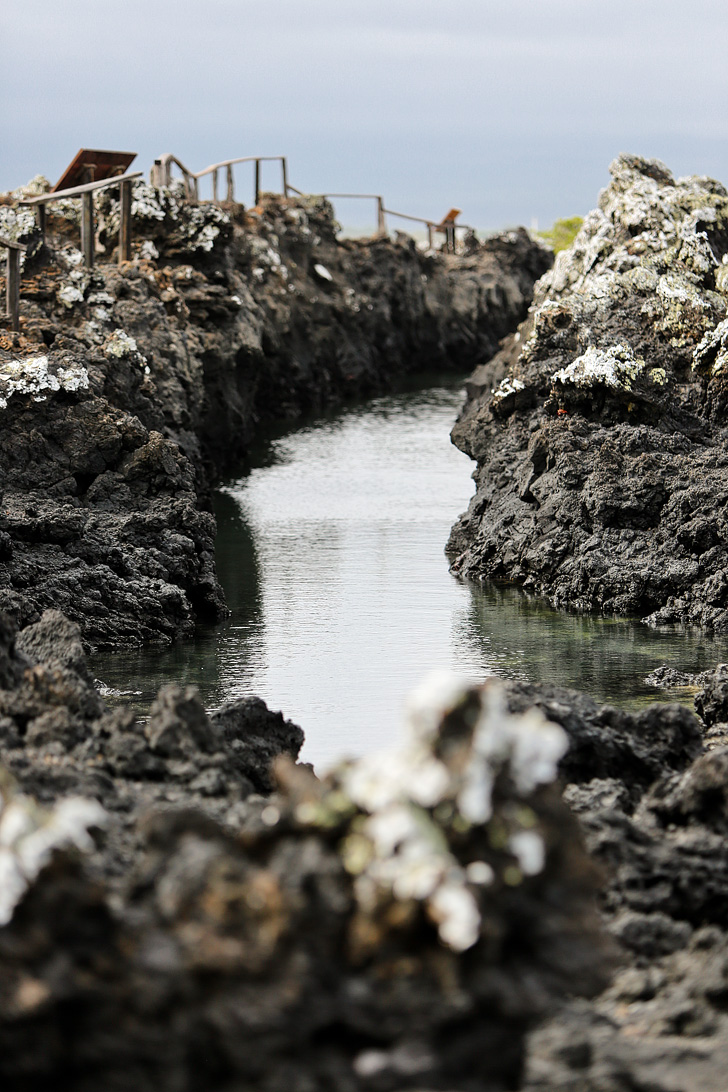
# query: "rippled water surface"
{"type": "Point", "coordinates": [331, 554]}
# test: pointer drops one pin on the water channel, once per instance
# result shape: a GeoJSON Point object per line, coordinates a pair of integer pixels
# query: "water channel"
{"type": "Point", "coordinates": [330, 550]}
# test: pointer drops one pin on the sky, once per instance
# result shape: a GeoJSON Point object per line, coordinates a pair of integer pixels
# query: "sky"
{"type": "Point", "coordinates": [510, 110]}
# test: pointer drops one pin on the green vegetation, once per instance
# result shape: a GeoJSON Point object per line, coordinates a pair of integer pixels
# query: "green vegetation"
{"type": "Point", "coordinates": [562, 233]}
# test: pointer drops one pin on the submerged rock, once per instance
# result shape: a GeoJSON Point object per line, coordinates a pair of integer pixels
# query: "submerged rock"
{"type": "Point", "coordinates": [599, 429]}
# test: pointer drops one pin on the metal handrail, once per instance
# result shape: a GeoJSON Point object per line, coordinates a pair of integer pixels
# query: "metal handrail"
{"type": "Point", "coordinates": [86, 193]}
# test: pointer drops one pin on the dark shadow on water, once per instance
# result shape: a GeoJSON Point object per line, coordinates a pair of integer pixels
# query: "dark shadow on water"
{"type": "Point", "coordinates": [135, 675]}
{"type": "Point", "coordinates": [606, 657]}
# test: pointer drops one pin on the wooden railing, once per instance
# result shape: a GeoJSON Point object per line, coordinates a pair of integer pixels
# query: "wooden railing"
{"type": "Point", "coordinates": [447, 227]}
{"type": "Point", "coordinates": [86, 193]}
{"type": "Point", "coordinates": [161, 175]}
{"type": "Point", "coordinates": [12, 280]}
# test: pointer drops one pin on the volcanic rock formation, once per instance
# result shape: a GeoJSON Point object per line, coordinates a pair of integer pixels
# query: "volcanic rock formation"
{"type": "Point", "coordinates": [400, 924]}
{"type": "Point", "coordinates": [129, 388]}
{"type": "Point", "coordinates": [599, 430]}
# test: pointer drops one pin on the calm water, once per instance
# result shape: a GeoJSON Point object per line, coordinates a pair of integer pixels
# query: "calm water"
{"type": "Point", "coordinates": [331, 554]}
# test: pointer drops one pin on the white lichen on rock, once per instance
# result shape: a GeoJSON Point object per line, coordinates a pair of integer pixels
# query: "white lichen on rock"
{"type": "Point", "coordinates": [120, 344]}
{"type": "Point", "coordinates": [398, 845]}
{"type": "Point", "coordinates": [267, 258]}
{"type": "Point", "coordinates": [146, 203]}
{"type": "Point", "coordinates": [32, 376]}
{"type": "Point", "coordinates": [653, 241]}
{"type": "Point", "coordinates": [34, 188]}
{"type": "Point", "coordinates": [16, 224]}
{"type": "Point", "coordinates": [69, 295]}
{"type": "Point", "coordinates": [164, 214]}
{"type": "Point", "coordinates": [615, 367]}
{"type": "Point", "coordinates": [509, 385]}
{"type": "Point", "coordinates": [711, 355]}
{"type": "Point", "coordinates": [148, 250]}
{"type": "Point", "coordinates": [29, 836]}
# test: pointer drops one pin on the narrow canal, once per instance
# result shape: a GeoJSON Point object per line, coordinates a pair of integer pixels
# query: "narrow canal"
{"type": "Point", "coordinates": [330, 551]}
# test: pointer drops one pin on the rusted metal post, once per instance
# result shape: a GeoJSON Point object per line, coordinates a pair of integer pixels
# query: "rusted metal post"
{"type": "Point", "coordinates": [381, 222]}
{"type": "Point", "coordinates": [13, 287]}
{"type": "Point", "coordinates": [230, 184]}
{"type": "Point", "coordinates": [430, 237]}
{"type": "Point", "coordinates": [88, 245]}
{"type": "Point", "coordinates": [214, 185]}
{"type": "Point", "coordinates": [257, 181]}
{"type": "Point", "coordinates": [124, 222]}
{"type": "Point", "coordinates": [284, 165]}
{"type": "Point", "coordinates": [40, 219]}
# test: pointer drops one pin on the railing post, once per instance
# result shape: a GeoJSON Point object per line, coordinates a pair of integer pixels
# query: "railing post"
{"type": "Point", "coordinates": [13, 287]}
{"type": "Point", "coordinates": [381, 222]}
{"type": "Point", "coordinates": [284, 165]}
{"type": "Point", "coordinates": [450, 238]}
{"type": "Point", "coordinates": [214, 185]}
{"type": "Point", "coordinates": [230, 184]}
{"type": "Point", "coordinates": [87, 229]}
{"type": "Point", "coordinates": [40, 219]}
{"type": "Point", "coordinates": [124, 222]}
{"type": "Point", "coordinates": [257, 181]}
{"type": "Point", "coordinates": [430, 238]}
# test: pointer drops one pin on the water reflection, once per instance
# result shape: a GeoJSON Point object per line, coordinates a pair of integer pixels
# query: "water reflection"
{"type": "Point", "coordinates": [331, 554]}
{"type": "Point", "coordinates": [606, 657]}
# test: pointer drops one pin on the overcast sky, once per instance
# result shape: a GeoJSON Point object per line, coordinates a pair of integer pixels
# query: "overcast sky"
{"type": "Point", "coordinates": [511, 110]}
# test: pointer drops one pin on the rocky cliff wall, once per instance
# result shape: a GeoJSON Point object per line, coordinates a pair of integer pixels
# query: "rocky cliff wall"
{"type": "Point", "coordinates": [129, 388]}
{"type": "Point", "coordinates": [599, 430]}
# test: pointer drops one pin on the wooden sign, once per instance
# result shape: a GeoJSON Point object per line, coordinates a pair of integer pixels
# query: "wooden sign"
{"type": "Point", "coordinates": [92, 165]}
{"type": "Point", "coordinates": [449, 219]}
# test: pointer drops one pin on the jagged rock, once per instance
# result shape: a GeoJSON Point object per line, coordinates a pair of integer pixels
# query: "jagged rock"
{"type": "Point", "coordinates": [391, 927]}
{"type": "Point", "coordinates": [670, 678]}
{"type": "Point", "coordinates": [58, 738]}
{"type": "Point", "coordinates": [712, 701]}
{"type": "Point", "coordinates": [130, 387]}
{"type": "Point", "coordinates": [661, 1024]}
{"type": "Point", "coordinates": [599, 430]}
{"type": "Point", "coordinates": [257, 736]}
{"type": "Point", "coordinates": [604, 742]}
{"type": "Point", "coordinates": [375, 929]}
